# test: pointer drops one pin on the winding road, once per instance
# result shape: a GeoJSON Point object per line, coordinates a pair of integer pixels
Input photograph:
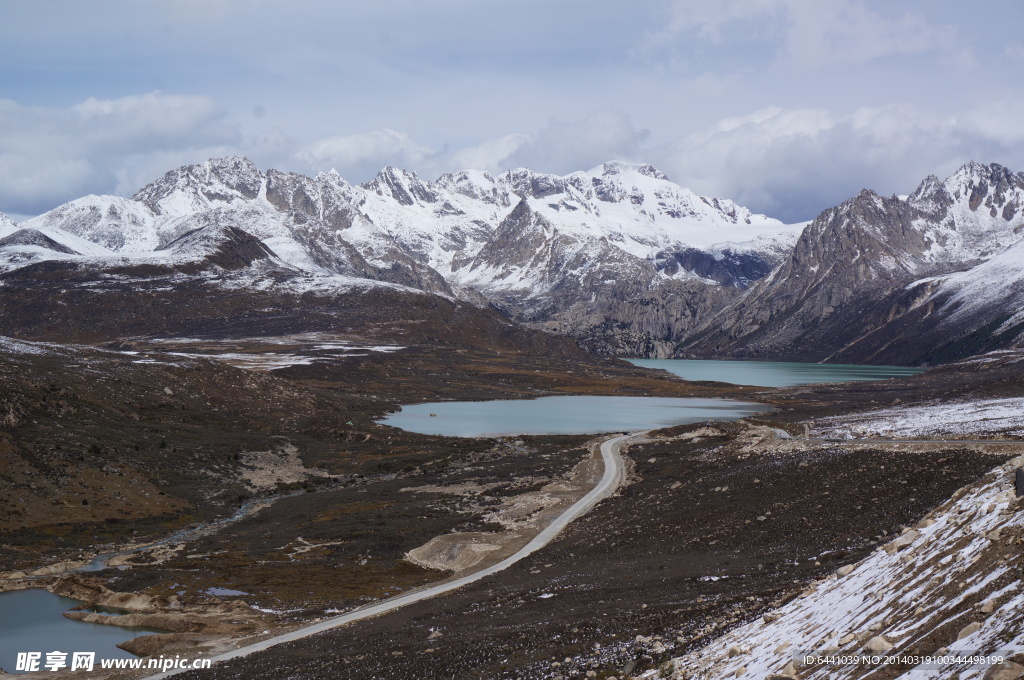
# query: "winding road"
{"type": "Point", "coordinates": [612, 479]}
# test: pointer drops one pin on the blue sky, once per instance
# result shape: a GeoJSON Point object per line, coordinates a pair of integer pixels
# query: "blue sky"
{"type": "Point", "coordinates": [786, 106]}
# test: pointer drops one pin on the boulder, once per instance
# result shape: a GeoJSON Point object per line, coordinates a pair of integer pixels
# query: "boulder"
{"type": "Point", "coordinates": [878, 644]}
{"type": "Point", "coordinates": [969, 629]}
{"type": "Point", "coordinates": [902, 542]}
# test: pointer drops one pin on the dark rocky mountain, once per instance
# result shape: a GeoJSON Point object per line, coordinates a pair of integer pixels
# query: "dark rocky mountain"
{"type": "Point", "coordinates": [34, 238]}
{"type": "Point", "coordinates": [216, 245]}
{"type": "Point", "coordinates": [883, 280]}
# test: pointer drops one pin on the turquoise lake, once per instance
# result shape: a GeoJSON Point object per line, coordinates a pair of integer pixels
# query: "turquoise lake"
{"type": "Point", "coordinates": [564, 415]}
{"type": "Point", "coordinates": [773, 373]}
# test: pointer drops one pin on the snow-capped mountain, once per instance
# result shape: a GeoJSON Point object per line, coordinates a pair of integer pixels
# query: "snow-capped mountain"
{"type": "Point", "coordinates": [933, 276]}
{"type": "Point", "coordinates": [575, 254]}
{"type": "Point", "coordinates": [618, 257]}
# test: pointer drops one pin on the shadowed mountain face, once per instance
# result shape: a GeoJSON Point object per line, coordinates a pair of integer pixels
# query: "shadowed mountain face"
{"type": "Point", "coordinates": [33, 238]}
{"type": "Point", "coordinates": [226, 247]}
{"type": "Point", "coordinates": [886, 280]}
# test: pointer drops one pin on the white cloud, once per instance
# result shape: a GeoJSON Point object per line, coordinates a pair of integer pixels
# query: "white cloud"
{"type": "Point", "coordinates": [789, 162]}
{"type": "Point", "coordinates": [491, 155]}
{"type": "Point", "coordinates": [1014, 51]}
{"type": "Point", "coordinates": [561, 147]}
{"type": "Point", "coordinates": [808, 34]}
{"type": "Point", "coordinates": [1000, 120]}
{"type": "Point", "coordinates": [564, 147]}
{"type": "Point", "coordinates": [823, 33]}
{"type": "Point", "coordinates": [793, 163]}
{"type": "Point", "coordinates": [50, 155]}
{"type": "Point", "coordinates": [378, 147]}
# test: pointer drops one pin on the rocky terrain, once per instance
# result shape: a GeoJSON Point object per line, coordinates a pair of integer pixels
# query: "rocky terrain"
{"type": "Point", "coordinates": [725, 525]}
{"type": "Point", "coordinates": [941, 600]}
{"type": "Point", "coordinates": [121, 442]}
{"type": "Point", "coordinates": [257, 465]}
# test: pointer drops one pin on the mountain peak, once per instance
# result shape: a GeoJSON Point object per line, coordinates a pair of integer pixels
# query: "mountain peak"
{"type": "Point", "coordinates": [992, 187]}
{"type": "Point", "coordinates": [405, 186]}
{"type": "Point", "coordinates": [7, 224]}
{"type": "Point", "coordinates": [612, 168]}
{"type": "Point", "coordinates": [36, 238]}
{"type": "Point", "coordinates": [186, 188]}
{"type": "Point", "coordinates": [223, 245]}
{"type": "Point", "coordinates": [973, 174]}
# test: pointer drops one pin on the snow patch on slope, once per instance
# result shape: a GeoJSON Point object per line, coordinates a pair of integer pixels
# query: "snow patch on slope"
{"type": "Point", "coordinates": [952, 419]}
{"type": "Point", "coordinates": [952, 570]}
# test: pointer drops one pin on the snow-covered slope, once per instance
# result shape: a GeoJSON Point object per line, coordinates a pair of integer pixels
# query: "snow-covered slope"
{"type": "Point", "coordinates": [115, 224]}
{"type": "Point", "coordinates": [618, 257]}
{"type": "Point", "coordinates": [944, 598]}
{"type": "Point", "coordinates": [631, 208]}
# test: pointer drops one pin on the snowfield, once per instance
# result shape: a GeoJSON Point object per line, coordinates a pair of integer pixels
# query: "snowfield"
{"type": "Point", "coordinates": [981, 418]}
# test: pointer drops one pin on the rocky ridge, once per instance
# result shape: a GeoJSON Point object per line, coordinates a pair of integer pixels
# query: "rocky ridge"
{"type": "Point", "coordinates": [926, 278]}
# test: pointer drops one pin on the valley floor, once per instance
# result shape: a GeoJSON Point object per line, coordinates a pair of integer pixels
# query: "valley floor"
{"type": "Point", "coordinates": [719, 525]}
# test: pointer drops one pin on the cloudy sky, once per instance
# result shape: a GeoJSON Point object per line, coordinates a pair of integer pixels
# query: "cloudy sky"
{"type": "Point", "coordinates": [786, 106]}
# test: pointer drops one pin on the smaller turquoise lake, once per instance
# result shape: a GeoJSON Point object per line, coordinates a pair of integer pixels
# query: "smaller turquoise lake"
{"type": "Point", "coordinates": [31, 621]}
{"type": "Point", "coordinates": [564, 415]}
{"type": "Point", "coordinates": [773, 373]}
